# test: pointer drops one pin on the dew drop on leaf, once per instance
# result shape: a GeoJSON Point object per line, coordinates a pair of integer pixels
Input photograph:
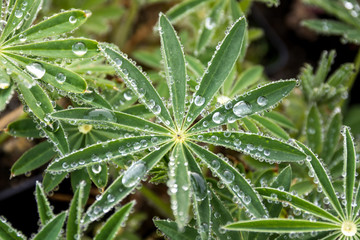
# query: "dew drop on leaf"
{"type": "Point", "coordinates": [215, 164]}
{"type": "Point", "coordinates": [199, 186]}
{"type": "Point", "coordinates": [242, 108]}
{"type": "Point", "coordinates": [133, 174]}
{"type": "Point", "coordinates": [19, 13]}
{"type": "Point", "coordinates": [262, 101]}
{"type": "Point", "coordinates": [218, 118]}
{"type": "Point", "coordinates": [72, 19]}
{"type": "Point", "coordinates": [96, 168]}
{"type": "Point", "coordinates": [118, 62]}
{"type": "Point", "coordinates": [156, 109]}
{"type": "Point", "coordinates": [60, 78]}
{"type": "Point", "coordinates": [22, 37]}
{"type": "Point", "coordinates": [128, 95]}
{"type": "Point", "coordinates": [101, 114]}
{"type": "Point", "coordinates": [199, 101]}
{"type": "Point", "coordinates": [79, 49]}
{"type": "Point", "coordinates": [228, 176]}
{"type": "Point", "coordinates": [36, 70]}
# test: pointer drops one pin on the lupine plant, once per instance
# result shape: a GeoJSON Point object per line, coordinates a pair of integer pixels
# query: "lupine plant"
{"type": "Point", "coordinates": [119, 128]}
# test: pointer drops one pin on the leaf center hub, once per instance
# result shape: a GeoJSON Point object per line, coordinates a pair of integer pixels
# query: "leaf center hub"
{"type": "Point", "coordinates": [179, 137]}
{"type": "Point", "coordinates": [85, 129]}
{"type": "Point", "coordinates": [348, 228]}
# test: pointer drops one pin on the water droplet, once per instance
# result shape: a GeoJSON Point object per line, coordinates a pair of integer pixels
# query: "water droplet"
{"type": "Point", "coordinates": [242, 108]}
{"type": "Point", "coordinates": [72, 19]}
{"type": "Point", "coordinates": [156, 109]}
{"type": "Point", "coordinates": [128, 95]}
{"type": "Point", "coordinates": [96, 168]}
{"type": "Point", "coordinates": [215, 164]}
{"type": "Point", "coordinates": [22, 37]}
{"type": "Point", "coordinates": [137, 146]}
{"type": "Point", "coordinates": [218, 118]}
{"type": "Point", "coordinates": [19, 13]}
{"type": "Point", "coordinates": [262, 101]}
{"type": "Point", "coordinates": [79, 49]}
{"type": "Point", "coordinates": [110, 198]}
{"type": "Point", "coordinates": [133, 174]}
{"type": "Point", "coordinates": [247, 200]}
{"type": "Point", "coordinates": [60, 78]}
{"type": "Point", "coordinates": [267, 153]}
{"type": "Point", "coordinates": [209, 24]}
{"type": "Point", "coordinates": [199, 101]}
{"type": "Point", "coordinates": [228, 176]}
{"type": "Point", "coordinates": [199, 185]}
{"type": "Point", "coordinates": [101, 114]}
{"type": "Point", "coordinates": [36, 70]}
{"type": "Point", "coordinates": [118, 62]}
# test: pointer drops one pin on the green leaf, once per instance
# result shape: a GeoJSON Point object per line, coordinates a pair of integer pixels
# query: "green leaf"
{"type": "Point", "coordinates": [94, 99]}
{"type": "Point", "coordinates": [107, 118]}
{"type": "Point", "coordinates": [317, 168]}
{"type": "Point", "coordinates": [151, 58]}
{"type": "Point", "coordinates": [184, 8]}
{"type": "Point", "coordinates": [272, 127]}
{"type": "Point", "coordinates": [332, 136]}
{"type": "Point", "coordinates": [258, 147]}
{"type": "Point", "coordinates": [221, 217]}
{"type": "Point", "coordinates": [200, 196]}
{"type": "Point", "coordinates": [282, 181]}
{"type": "Point", "coordinates": [23, 128]}
{"type": "Point", "coordinates": [81, 177]}
{"type": "Point", "coordinates": [50, 181]}
{"type": "Point", "coordinates": [278, 195]}
{"type": "Point", "coordinates": [44, 208]}
{"type": "Point", "coordinates": [208, 27]}
{"type": "Point", "coordinates": [56, 76]}
{"type": "Point", "coordinates": [105, 151]}
{"type": "Point", "coordinates": [33, 158]}
{"type": "Point", "coordinates": [125, 184]}
{"type": "Point", "coordinates": [323, 67]}
{"type": "Point", "coordinates": [217, 71]}
{"type": "Point", "coordinates": [7, 232]}
{"type": "Point", "coordinates": [233, 180]}
{"type": "Point", "coordinates": [56, 49]}
{"type": "Point", "coordinates": [179, 185]}
{"type": "Point", "coordinates": [36, 6]}
{"type": "Point", "coordinates": [109, 230]}
{"type": "Point", "coordinates": [195, 65]}
{"type": "Point", "coordinates": [349, 169]}
{"type": "Point", "coordinates": [281, 226]}
{"type": "Point", "coordinates": [314, 129]}
{"type": "Point", "coordinates": [170, 229]}
{"type": "Point", "coordinates": [341, 75]}
{"type": "Point", "coordinates": [281, 120]}
{"type": "Point", "coordinates": [247, 78]}
{"type": "Point", "coordinates": [255, 101]}
{"type": "Point", "coordinates": [5, 96]}
{"type": "Point", "coordinates": [356, 199]}
{"type": "Point", "coordinates": [57, 136]}
{"type": "Point", "coordinates": [4, 80]}
{"type": "Point", "coordinates": [52, 229]}
{"type": "Point", "coordinates": [73, 230]}
{"type": "Point", "coordinates": [174, 64]}
{"type": "Point", "coordinates": [137, 81]}
{"type": "Point", "coordinates": [16, 18]}
{"type": "Point", "coordinates": [53, 26]}
{"type": "Point", "coordinates": [99, 174]}
{"type": "Point", "coordinates": [249, 125]}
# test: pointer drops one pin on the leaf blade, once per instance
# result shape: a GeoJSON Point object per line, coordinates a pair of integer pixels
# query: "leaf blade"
{"type": "Point", "coordinates": [73, 230]}
{"type": "Point", "coordinates": [349, 168]}
{"type": "Point", "coordinates": [52, 229]}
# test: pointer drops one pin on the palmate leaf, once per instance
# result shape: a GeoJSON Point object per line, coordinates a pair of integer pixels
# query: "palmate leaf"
{"type": "Point", "coordinates": [114, 223]}
{"type": "Point", "coordinates": [282, 226]}
{"type": "Point", "coordinates": [259, 147]}
{"type": "Point", "coordinates": [44, 208]}
{"type": "Point", "coordinates": [232, 179]}
{"type": "Point", "coordinates": [125, 184]}
{"type": "Point", "coordinates": [55, 49]}
{"type": "Point", "coordinates": [170, 229]}
{"type": "Point", "coordinates": [104, 117]}
{"type": "Point", "coordinates": [73, 230]}
{"type": "Point", "coordinates": [278, 195]}
{"type": "Point", "coordinates": [103, 152]}
{"type": "Point", "coordinates": [200, 197]}
{"type": "Point", "coordinates": [317, 168]}
{"type": "Point", "coordinates": [217, 71]}
{"type": "Point", "coordinates": [255, 101]}
{"type": "Point", "coordinates": [137, 81]}
{"type": "Point", "coordinates": [175, 69]}
{"type": "Point", "coordinates": [52, 229]}
{"type": "Point", "coordinates": [53, 26]}
{"type": "Point", "coordinates": [33, 158]}
{"type": "Point", "coordinates": [349, 169]}
{"type": "Point", "coordinates": [179, 185]}
{"type": "Point", "coordinates": [54, 75]}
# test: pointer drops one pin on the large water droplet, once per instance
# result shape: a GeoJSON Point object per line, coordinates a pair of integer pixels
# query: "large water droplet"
{"type": "Point", "coordinates": [118, 62]}
{"type": "Point", "coordinates": [79, 49]}
{"type": "Point", "coordinates": [199, 101]}
{"type": "Point", "coordinates": [209, 23]}
{"type": "Point", "coordinates": [22, 37]}
{"type": "Point", "coordinates": [96, 168]}
{"type": "Point", "coordinates": [242, 108]}
{"type": "Point", "coordinates": [199, 186]}
{"type": "Point", "coordinates": [133, 174]}
{"type": "Point", "coordinates": [36, 70]}
{"type": "Point", "coordinates": [101, 114]}
{"type": "Point", "coordinates": [156, 109]}
{"type": "Point", "coordinates": [60, 78]}
{"type": "Point", "coordinates": [218, 118]}
{"type": "Point", "coordinates": [262, 101]}
{"type": "Point", "coordinates": [228, 176]}
{"type": "Point", "coordinates": [72, 19]}
{"type": "Point", "coordinates": [19, 13]}
{"type": "Point", "coordinates": [128, 95]}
